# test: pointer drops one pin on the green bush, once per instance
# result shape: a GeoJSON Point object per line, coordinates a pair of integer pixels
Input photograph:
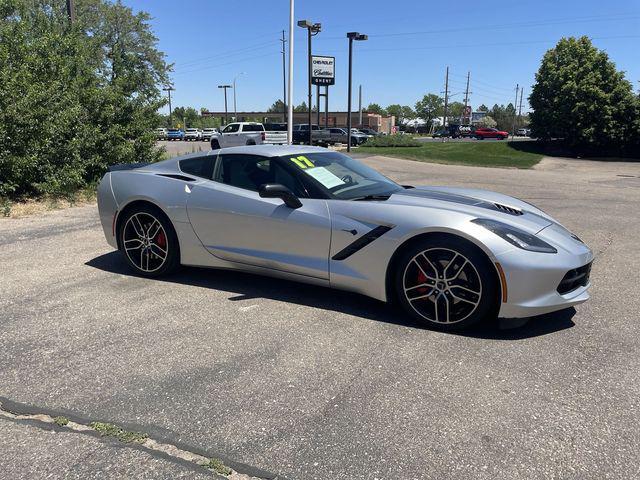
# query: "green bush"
{"type": "Point", "coordinates": [392, 141]}
{"type": "Point", "coordinates": [74, 99]}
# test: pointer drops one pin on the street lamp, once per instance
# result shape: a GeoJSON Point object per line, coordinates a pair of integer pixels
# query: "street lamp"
{"type": "Point", "coordinates": [358, 37]}
{"type": "Point", "coordinates": [312, 30]}
{"type": "Point", "coordinates": [235, 108]}
{"type": "Point", "coordinates": [225, 101]}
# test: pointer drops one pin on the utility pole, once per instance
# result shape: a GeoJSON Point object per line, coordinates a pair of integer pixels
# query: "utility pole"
{"type": "Point", "coordinates": [520, 108]}
{"type": "Point", "coordinates": [466, 97]}
{"type": "Point", "coordinates": [360, 106]}
{"type": "Point", "coordinates": [169, 89]}
{"type": "Point", "coordinates": [284, 80]}
{"type": "Point", "coordinates": [513, 131]}
{"type": "Point", "coordinates": [446, 99]}
{"type": "Point", "coordinates": [71, 11]}
{"type": "Point", "coordinates": [318, 104]}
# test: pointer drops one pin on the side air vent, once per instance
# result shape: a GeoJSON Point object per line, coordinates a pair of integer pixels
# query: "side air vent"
{"type": "Point", "coordinates": [509, 210]}
{"type": "Point", "coordinates": [177, 176]}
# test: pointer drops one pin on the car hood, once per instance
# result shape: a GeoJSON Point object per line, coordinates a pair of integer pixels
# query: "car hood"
{"type": "Point", "coordinates": [477, 203]}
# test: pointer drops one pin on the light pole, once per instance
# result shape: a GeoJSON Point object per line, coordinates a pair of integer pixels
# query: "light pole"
{"type": "Point", "coordinates": [289, 100]}
{"type": "Point", "coordinates": [312, 30]}
{"type": "Point", "coordinates": [169, 89]}
{"type": "Point", "coordinates": [225, 101]}
{"type": "Point", "coordinates": [235, 107]}
{"type": "Point", "coordinates": [358, 37]}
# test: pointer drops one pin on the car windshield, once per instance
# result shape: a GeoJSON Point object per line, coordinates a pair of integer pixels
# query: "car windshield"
{"type": "Point", "coordinates": [342, 177]}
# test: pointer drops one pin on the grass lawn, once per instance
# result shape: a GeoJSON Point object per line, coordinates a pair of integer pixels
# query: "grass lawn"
{"type": "Point", "coordinates": [482, 154]}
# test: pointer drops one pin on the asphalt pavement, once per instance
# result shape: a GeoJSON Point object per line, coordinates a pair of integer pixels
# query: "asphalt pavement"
{"type": "Point", "coordinates": [311, 383]}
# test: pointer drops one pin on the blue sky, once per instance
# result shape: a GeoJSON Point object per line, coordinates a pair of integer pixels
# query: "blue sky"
{"type": "Point", "coordinates": [410, 44]}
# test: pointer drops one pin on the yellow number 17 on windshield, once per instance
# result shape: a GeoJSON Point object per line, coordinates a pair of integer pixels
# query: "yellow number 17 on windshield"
{"type": "Point", "coordinates": [302, 161]}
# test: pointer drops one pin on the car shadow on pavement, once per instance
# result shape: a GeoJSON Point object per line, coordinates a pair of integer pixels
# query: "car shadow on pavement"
{"type": "Point", "coordinates": [245, 286]}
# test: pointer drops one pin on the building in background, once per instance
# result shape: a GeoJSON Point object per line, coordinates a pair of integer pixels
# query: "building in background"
{"type": "Point", "coordinates": [374, 121]}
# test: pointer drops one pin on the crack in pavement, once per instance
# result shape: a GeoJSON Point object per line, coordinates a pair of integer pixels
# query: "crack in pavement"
{"type": "Point", "coordinates": [16, 412]}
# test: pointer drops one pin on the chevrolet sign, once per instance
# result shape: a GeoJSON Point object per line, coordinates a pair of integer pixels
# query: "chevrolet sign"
{"type": "Point", "coordinates": [323, 70]}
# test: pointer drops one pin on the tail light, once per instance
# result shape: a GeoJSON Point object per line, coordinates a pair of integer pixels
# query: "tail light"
{"type": "Point", "coordinates": [264, 136]}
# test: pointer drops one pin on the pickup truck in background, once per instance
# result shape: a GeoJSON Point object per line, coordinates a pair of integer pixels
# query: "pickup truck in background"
{"type": "Point", "coordinates": [339, 135]}
{"type": "Point", "coordinates": [319, 136]}
{"type": "Point", "coordinates": [246, 133]}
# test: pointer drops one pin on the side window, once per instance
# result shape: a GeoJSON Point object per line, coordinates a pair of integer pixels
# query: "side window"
{"type": "Point", "coordinates": [199, 166]}
{"type": "Point", "coordinates": [251, 171]}
{"type": "Point", "coordinates": [244, 171]}
{"type": "Point", "coordinates": [233, 128]}
{"type": "Point", "coordinates": [248, 127]}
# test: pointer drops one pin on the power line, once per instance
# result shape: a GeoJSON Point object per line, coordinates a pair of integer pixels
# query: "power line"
{"type": "Point", "coordinates": [209, 67]}
{"type": "Point", "coordinates": [600, 18]}
{"type": "Point", "coordinates": [228, 53]}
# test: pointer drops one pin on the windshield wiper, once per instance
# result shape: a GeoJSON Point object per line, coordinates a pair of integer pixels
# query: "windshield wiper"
{"type": "Point", "coordinates": [371, 197]}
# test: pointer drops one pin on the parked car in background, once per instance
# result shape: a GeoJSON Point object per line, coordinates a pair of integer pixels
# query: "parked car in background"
{"type": "Point", "coordinates": [246, 133]}
{"type": "Point", "coordinates": [319, 136]}
{"type": "Point", "coordinates": [370, 131]}
{"type": "Point", "coordinates": [193, 134]}
{"type": "Point", "coordinates": [482, 133]}
{"type": "Point", "coordinates": [357, 131]}
{"type": "Point", "coordinates": [161, 133]}
{"type": "Point", "coordinates": [523, 132]}
{"type": "Point", "coordinates": [175, 134]}
{"type": "Point", "coordinates": [207, 133]}
{"type": "Point", "coordinates": [441, 133]}
{"type": "Point", "coordinates": [339, 135]}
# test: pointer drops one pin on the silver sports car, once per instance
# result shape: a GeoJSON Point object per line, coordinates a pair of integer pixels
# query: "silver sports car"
{"type": "Point", "coordinates": [450, 257]}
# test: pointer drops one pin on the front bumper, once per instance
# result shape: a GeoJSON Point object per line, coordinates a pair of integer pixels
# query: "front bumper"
{"type": "Point", "coordinates": [533, 280]}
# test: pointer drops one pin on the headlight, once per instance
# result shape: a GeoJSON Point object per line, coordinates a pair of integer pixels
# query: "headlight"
{"type": "Point", "coordinates": [516, 237]}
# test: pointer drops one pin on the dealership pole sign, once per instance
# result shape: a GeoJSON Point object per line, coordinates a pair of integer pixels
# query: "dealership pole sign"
{"type": "Point", "coordinates": [323, 70]}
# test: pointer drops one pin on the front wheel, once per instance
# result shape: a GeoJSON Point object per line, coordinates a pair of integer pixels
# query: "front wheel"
{"type": "Point", "coordinates": [447, 283]}
{"type": "Point", "coordinates": [149, 242]}
{"type": "Point", "coordinates": [215, 145]}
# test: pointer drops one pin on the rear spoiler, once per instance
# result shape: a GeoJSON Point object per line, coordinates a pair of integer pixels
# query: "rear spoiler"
{"type": "Point", "coordinates": [126, 166]}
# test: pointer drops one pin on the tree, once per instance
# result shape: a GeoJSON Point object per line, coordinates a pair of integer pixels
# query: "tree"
{"type": "Point", "coordinates": [188, 114]}
{"type": "Point", "coordinates": [483, 108]}
{"type": "Point", "coordinates": [375, 108]}
{"type": "Point", "coordinates": [302, 108]}
{"type": "Point", "coordinates": [455, 110]}
{"type": "Point", "coordinates": [429, 107]}
{"type": "Point", "coordinates": [486, 121]}
{"type": "Point", "coordinates": [74, 98]}
{"type": "Point", "coordinates": [579, 96]}
{"type": "Point", "coordinates": [277, 107]}
{"type": "Point", "coordinates": [401, 112]}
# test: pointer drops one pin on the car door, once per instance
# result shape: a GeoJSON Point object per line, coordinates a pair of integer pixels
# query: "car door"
{"type": "Point", "coordinates": [235, 224]}
{"type": "Point", "coordinates": [230, 135]}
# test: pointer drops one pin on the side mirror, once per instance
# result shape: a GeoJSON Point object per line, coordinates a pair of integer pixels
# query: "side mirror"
{"type": "Point", "coordinates": [276, 190]}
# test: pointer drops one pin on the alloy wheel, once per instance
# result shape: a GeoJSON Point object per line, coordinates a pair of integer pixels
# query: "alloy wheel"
{"type": "Point", "coordinates": [442, 285]}
{"type": "Point", "coordinates": [145, 242]}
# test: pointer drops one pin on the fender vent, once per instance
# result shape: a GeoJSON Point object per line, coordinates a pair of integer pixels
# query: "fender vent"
{"type": "Point", "coordinates": [509, 210]}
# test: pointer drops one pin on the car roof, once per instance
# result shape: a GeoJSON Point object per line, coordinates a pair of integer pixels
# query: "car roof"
{"type": "Point", "coordinates": [273, 150]}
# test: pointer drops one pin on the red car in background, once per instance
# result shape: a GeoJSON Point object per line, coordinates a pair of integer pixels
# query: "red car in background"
{"type": "Point", "coordinates": [482, 133]}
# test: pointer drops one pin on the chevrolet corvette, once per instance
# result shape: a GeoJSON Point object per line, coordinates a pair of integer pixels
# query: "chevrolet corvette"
{"type": "Point", "coordinates": [450, 257]}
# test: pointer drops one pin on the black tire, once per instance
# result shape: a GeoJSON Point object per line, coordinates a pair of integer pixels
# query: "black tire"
{"type": "Point", "coordinates": [143, 242]}
{"type": "Point", "coordinates": [215, 145]}
{"type": "Point", "coordinates": [443, 298]}
{"type": "Point", "coordinates": [500, 137]}
{"type": "Point", "coordinates": [251, 142]}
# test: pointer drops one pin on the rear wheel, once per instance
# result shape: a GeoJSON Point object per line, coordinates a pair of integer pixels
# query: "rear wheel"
{"type": "Point", "coordinates": [149, 242]}
{"type": "Point", "coordinates": [446, 282]}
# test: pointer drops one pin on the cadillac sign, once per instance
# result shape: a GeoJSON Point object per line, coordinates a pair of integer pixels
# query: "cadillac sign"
{"type": "Point", "coordinates": [323, 70]}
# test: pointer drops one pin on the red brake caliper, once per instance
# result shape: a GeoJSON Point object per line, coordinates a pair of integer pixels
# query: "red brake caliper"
{"type": "Point", "coordinates": [161, 240]}
{"type": "Point", "coordinates": [421, 279]}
